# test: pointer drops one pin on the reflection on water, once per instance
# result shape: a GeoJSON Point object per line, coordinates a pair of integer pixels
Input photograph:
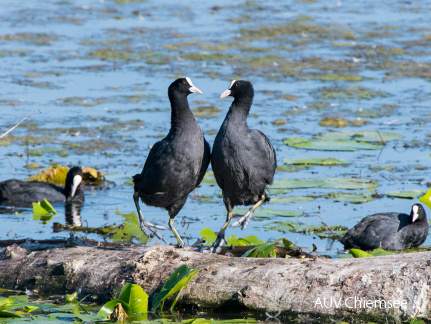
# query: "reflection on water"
{"type": "Point", "coordinates": [73, 214]}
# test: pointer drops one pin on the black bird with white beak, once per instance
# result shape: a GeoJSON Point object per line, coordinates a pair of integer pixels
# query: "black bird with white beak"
{"type": "Point", "coordinates": [243, 159]}
{"type": "Point", "coordinates": [176, 165]}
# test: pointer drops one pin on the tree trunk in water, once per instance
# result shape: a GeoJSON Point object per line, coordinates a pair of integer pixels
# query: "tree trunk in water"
{"type": "Point", "coordinates": [400, 283]}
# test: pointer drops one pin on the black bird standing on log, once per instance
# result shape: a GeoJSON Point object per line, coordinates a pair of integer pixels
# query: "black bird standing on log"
{"type": "Point", "coordinates": [22, 193]}
{"type": "Point", "coordinates": [389, 231]}
{"type": "Point", "coordinates": [243, 160]}
{"type": "Point", "coordinates": [176, 165]}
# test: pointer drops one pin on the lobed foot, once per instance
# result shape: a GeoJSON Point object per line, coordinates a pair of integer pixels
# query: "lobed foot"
{"type": "Point", "coordinates": [219, 242]}
{"type": "Point", "coordinates": [243, 221]}
{"type": "Point", "coordinates": [145, 226]}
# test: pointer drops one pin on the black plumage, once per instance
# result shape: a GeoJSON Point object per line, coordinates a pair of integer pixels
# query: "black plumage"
{"type": "Point", "coordinates": [243, 160]}
{"type": "Point", "coordinates": [389, 231]}
{"type": "Point", "coordinates": [177, 164]}
{"type": "Point", "coordinates": [22, 193]}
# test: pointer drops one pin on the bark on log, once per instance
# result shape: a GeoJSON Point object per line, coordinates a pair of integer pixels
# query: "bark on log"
{"type": "Point", "coordinates": [303, 286]}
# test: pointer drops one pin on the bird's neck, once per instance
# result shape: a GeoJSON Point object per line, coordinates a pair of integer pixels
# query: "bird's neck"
{"type": "Point", "coordinates": [67, 190]}
{"type": "Point", "coordinates": [181, 115]}
{"type": "Point", "coordinates": [238, 111]}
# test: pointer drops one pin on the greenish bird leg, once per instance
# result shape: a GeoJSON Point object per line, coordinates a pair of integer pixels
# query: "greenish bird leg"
{"type": "Point", "coordinates": [243, 221]}
{"type": "Point", "coordinates": [177, 236]}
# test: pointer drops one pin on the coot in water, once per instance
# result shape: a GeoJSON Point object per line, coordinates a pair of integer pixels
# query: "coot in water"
{"type": "Point", "coordinates": [23, 193]}
{"type": "Point", "coordinates": [389, 231]}
{"type": "Point", "coordinates": [177, 164]}
{"type": "Point", "coordinates": [243, 160]}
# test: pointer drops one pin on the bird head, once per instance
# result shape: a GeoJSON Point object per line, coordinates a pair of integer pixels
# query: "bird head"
{"type": "Point", "coordinates": [239, 89]}
{"type": "Point", "coordinates": [417, 213]}
{"type": "Point", "coordinates": [185, 86]}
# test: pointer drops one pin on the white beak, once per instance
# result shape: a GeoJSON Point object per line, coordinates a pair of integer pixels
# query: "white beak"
{"type": "Point", "coordinates": [228, 91]}
{"type": "Point", "coordinates": [76, 181]}
{"type": "Point", "coordinates": [225, 94]}
{"type": "Point", "coordinates": [192, 87]}
{"type": "Point", "coordinates": [415, 213]}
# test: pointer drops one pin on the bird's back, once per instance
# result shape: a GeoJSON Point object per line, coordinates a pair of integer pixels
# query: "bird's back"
{"type": "Point", "coordinates": [18, 192]}
{"type": "Point", "coordinates": [382, 230]}
{"type": "Point", "coordinates": [243, 162]}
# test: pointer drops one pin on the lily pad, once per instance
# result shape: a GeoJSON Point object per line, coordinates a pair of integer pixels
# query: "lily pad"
{"type": "Point", "coordinates": [357, 253]}
{"type": "Point", "coordinates": [206, 111]}
{"type": "Point", "coordinates": [364, 136]}
{"type": "Point", "coordinates": [125, 233]}
{"type": "Point", "coordinates": [289, 200]}
{"type": "Point", "coordinates": [426, 199]}
{"type": "Point", "coordinates": [331, 183]}
{"type": "Point", "coordinates": [315, 161]}
{"type": "Point", "coordinates": [330, 145]}
{"type": "Point", "coordinates": [350, 197]}
{"type": "Point", "coordinates": [54, 175]}
{"type": "Point", "coordinates": [266, 212]}
{"type": "Point", "coordinates": [411, 194]}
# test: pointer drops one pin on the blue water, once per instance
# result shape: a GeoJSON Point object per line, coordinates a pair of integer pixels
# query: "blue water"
{"type": "Point", "coordinates": [71, 31]}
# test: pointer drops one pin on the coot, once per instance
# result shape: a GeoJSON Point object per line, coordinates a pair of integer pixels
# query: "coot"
{"type": "Point", "coordinates": [22, 193]}
{"type": "Point", "coordinates": [243, 160]}
{"type": "Point", "coordinates": [177, 164]}
{"type": "Point", "coordinates": [389, 231]}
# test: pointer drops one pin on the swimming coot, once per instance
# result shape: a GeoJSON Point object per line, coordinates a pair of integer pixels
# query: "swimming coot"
{"type": "Point", "coordinates": [177, 164]}
{"type": "Point", "coordinates": [23, 193]}
{"type": "Point", "coordinates": [243, 160]}
{"type": "Point", "coordinates": [389, 231]}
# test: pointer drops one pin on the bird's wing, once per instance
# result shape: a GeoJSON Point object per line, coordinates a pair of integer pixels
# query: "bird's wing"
{"type": "Point", "coordinates": [263, 145]}
{"type": "Point", "coordinates": [205, 162]}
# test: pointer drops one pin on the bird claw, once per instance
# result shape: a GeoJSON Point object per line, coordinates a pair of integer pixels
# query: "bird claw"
{"type": "Point", "coordinates": [243, 221]}
{"type": "Point", "coordinates": [145, 226]}
{"type": "Point", "coordinates": [219, 242]}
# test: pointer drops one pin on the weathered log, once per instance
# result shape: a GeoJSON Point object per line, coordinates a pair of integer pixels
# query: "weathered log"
{"type": "Point", "coordinates": [322, 286]}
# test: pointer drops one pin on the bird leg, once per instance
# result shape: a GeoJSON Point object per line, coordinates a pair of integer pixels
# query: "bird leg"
{"type": "Point", "coordinates": [177, 236]}
{"type": "Point", "coordinates": [220, 241]}
{"type": "Point", "coordinates": [243, 221]}
{"type": "Point", "coordinates": [145, 226]}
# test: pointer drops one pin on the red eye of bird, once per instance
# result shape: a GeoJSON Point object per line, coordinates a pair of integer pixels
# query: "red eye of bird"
{"type": "Point", "coordinates": [184, 82]}
{"type": "Point", "coordinates": [236, 84]}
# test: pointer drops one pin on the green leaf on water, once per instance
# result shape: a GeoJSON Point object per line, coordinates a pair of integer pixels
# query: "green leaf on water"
{"type": "Point", "coordinates": [6, 303]}
{"type": "Point", "coordinates": [363, 136]}
{"type": "Point", "coordinates": [262, 251]}
{"type": "Point", "coordinates": [175, 283]}
{"type": "Point", "coordinates": [426, 199]}
{"type": "Point", "coordinates": [381, 252]}
{"type": "Point", "coordinates": [43, 208]}
{"type": "Point", "coordinates": [289, 200]}
{"type": "Point", "coordinates": [315, 161]}
{"type": "Point", "coordinates": [267, 212]}
{"type": "Point", "coordinates": [208, 235]}
{"type": "Point", "coordinates": [244, 241]}
{"type": "Point", "coordinates": [132, 298]}
{"type": "Point", "coordinates": [330, 183]}
{"type": "Point", "coordinates": [128, 231]}
{"type": "Point", "coordinates": [29, 308]}
{"type": "Point", "coordinates": [330, 145]}
{"type": "Point", "coordinates": [350, 197]}
{"type": "Point", "coordinates": [357, 253]}
{"type": "Point", "coordinates": [8, 314]}
{"type": "Point", "coordinates": [138, 300]}
{"type": "Point", "coordinates": [410, 194]}
{"type": "Point", "coordinates": [109, 307]}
